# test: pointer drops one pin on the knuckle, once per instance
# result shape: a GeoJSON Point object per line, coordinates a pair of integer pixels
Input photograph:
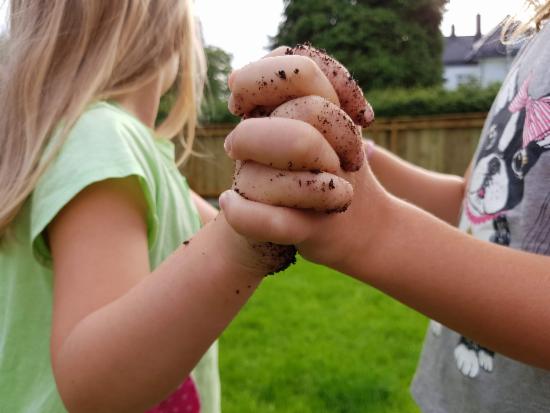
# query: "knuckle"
{"type": "Point", "coordinates": [319, 157]}
{"type": "Point", "coordinates": [309, 67]}
{"type": "Point", "coordinates": [276, 225]}
{"type": "Point", "coordinates": [240, 135]}
{"type": "Point", "coordinates": [302, 148]}
{"type": "Point", "coordinates": [280, 51]}
{"type": "Point", "coordinates": [241, 128]}
{"type": "Point", "coordinates": [312, 141]}
{"type": "Point", "coordinates": [318, 104]}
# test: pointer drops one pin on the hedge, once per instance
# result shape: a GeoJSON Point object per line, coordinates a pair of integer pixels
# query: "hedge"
{"type": "Point", "coordinates": [432, 101]}
{"type": "Point", "coordinates": [386, 103]}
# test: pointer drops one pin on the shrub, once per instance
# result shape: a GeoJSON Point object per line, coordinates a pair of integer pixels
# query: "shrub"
{"type": "Point", "coordinates": [467, 98]}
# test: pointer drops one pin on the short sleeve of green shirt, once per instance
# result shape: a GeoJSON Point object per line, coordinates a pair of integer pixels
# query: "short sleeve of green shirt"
{"type": "Point", "coordinates": [102, 145]}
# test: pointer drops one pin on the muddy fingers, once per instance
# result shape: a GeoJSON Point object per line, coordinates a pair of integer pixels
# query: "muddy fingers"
{"type": "Point", "coordinates": [261, 86]}
{"type": "Point", "coordinates": [282, 144]}
{"type": "Point", "coordinates": [335, 125]}
{"type": "Point", "coordinates": [349, 93]}
{"type": "Point", "coordinates": [318, 191]}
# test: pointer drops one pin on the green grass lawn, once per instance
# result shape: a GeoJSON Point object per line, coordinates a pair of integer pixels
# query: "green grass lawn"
{"type": "Point", "coordinates": [311, 340]}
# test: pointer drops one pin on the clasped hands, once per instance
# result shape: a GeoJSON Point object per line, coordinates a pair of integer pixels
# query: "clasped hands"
{"type": "Point", "coordinates": [301, 174]}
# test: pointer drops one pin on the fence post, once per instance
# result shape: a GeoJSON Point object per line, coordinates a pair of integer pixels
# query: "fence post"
{"type": "Point", "coordinates": [394, 134]}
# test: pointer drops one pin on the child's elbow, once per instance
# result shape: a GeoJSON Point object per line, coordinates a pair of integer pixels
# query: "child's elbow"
{"type": "Point", "coordinates": [84, 404]}
{"type": "Point", "coordinates": [80, 398]}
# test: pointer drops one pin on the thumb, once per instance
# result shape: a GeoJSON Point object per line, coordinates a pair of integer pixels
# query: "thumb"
{"type": "Point", "coordinates": [262, 222]}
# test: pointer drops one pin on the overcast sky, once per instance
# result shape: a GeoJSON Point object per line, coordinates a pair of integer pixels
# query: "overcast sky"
{"type": "Point", "coordinates": [242, 27]}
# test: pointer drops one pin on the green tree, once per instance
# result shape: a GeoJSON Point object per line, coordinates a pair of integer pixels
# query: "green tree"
{"type": "Point", "coordinates": [214, 108]}
{"type": "Point", "coordinates": [214, 104]}
{"type": "Point", "coordinates": [384, 43]}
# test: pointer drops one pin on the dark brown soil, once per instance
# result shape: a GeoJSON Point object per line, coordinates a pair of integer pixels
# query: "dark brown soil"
{"type": "Point", "coordinates": [277, 257]}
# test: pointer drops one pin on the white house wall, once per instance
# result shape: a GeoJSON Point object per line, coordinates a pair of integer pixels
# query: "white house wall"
{"type": "Point", "coordinates": [458, 74]}
{"type": "Point", "coordinates": [494, 70]}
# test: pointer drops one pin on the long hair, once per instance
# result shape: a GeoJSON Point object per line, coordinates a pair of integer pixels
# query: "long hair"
{"type": "Point", "coordinates": [61, 55]}
{"type": "Point", "coordinates": [515, 28]}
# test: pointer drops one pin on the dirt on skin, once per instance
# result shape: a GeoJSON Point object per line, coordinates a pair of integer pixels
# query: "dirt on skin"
{"type": "Point", "coordinates": [352, 100]}
{"type": "Point", "coordinates": [350, 94]}
{"type": "Point", "coordinates": [277, 257]}
{"type": "Point", "coordinates": [338, 128]}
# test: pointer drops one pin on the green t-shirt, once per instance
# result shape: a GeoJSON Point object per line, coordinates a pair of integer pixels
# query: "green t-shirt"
{"type": "Point", "coordinates": [106, 142]}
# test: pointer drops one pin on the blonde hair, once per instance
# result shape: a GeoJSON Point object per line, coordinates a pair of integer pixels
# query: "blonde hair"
{"type": "Point", "coordinates": [516, 28]}
{"type": "Point", "coordinates": [61, 55]}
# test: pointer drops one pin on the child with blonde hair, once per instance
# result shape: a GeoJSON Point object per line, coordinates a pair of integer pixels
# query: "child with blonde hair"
{"type": "Point", "coordinates": [486, 283]}
{"type": "Point", "coordinates": [106, 302]}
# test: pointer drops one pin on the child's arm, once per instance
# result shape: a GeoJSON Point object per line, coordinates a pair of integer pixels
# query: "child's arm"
{"type": "Point", "coordinates": [439, 194]}
{"type": "Point", "coordinates": [492, 294]}
{"type": "Point", "coordinates": [206, 211]}
{"type": "Point", "coordinates": [124, 338]}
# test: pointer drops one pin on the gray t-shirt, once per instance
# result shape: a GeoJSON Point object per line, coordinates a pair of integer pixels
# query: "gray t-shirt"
{"type": "Point", "coordinates": [507, 203]}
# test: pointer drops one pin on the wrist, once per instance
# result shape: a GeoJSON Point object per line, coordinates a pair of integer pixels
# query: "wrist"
{"type": "Point", "coordinates": [395, 232]}
{"type": "Point", "coordinates": [371, 230]}
{"type": "Point", "coordinates": [252, 257]}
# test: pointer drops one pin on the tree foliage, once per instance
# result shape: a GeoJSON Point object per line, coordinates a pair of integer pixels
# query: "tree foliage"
{"type": "Point", "coordinates": [214, 108]}
{"type": "Point", "coordinates": [214, 103]}
{"type": "Point", "coordinates": [384, 43]}
{"type": "Point", "coordinates": [218, 69]}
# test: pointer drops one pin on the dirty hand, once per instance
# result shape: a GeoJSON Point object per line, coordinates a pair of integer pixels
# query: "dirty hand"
{"type": "Point", "coordinates": [305, 87]}
{"type": "Point", "coordinates": [326, 238]}
{"type": "Point", "coordinates": [305, 158]}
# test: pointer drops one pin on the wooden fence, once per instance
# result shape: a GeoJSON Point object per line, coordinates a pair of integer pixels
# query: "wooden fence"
{"type": "Point", "coordinates": [440, 143]}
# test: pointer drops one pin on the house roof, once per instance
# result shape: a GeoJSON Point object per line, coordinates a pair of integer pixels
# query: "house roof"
{"type": "Point", "coordinates": [465, 50]}
{"type": "Point", "coordinates": [456, 49]}
{"type": "Point", "coordinates": [491, 46]}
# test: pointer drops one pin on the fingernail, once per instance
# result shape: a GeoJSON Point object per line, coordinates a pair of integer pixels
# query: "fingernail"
{"type": "Point", "coordinates": [228, 143]}
{"type": "Point", "coordinates": [223, 199]}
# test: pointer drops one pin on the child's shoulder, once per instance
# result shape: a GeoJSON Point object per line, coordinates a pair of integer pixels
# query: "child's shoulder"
{"type": "Point", "coordinates": [104, 136]}
{"type": "Point", "coordinates": [105, 119]}
{"type": "Point", "coordinates": [105, 131]}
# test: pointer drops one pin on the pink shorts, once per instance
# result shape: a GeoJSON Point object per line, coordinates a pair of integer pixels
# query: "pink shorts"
{"type": "Point", "coordinates": [184, 400]}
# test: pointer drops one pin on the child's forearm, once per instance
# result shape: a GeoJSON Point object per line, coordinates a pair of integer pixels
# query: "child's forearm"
{"type": "Point", "coordinates": [436, 193]}
{"type": "Point", "coordinates": [206, 211]}
{"type": "Point", "coordinates": [155, 334]}
{"type": "Point", "coordinates": [492, 294]}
